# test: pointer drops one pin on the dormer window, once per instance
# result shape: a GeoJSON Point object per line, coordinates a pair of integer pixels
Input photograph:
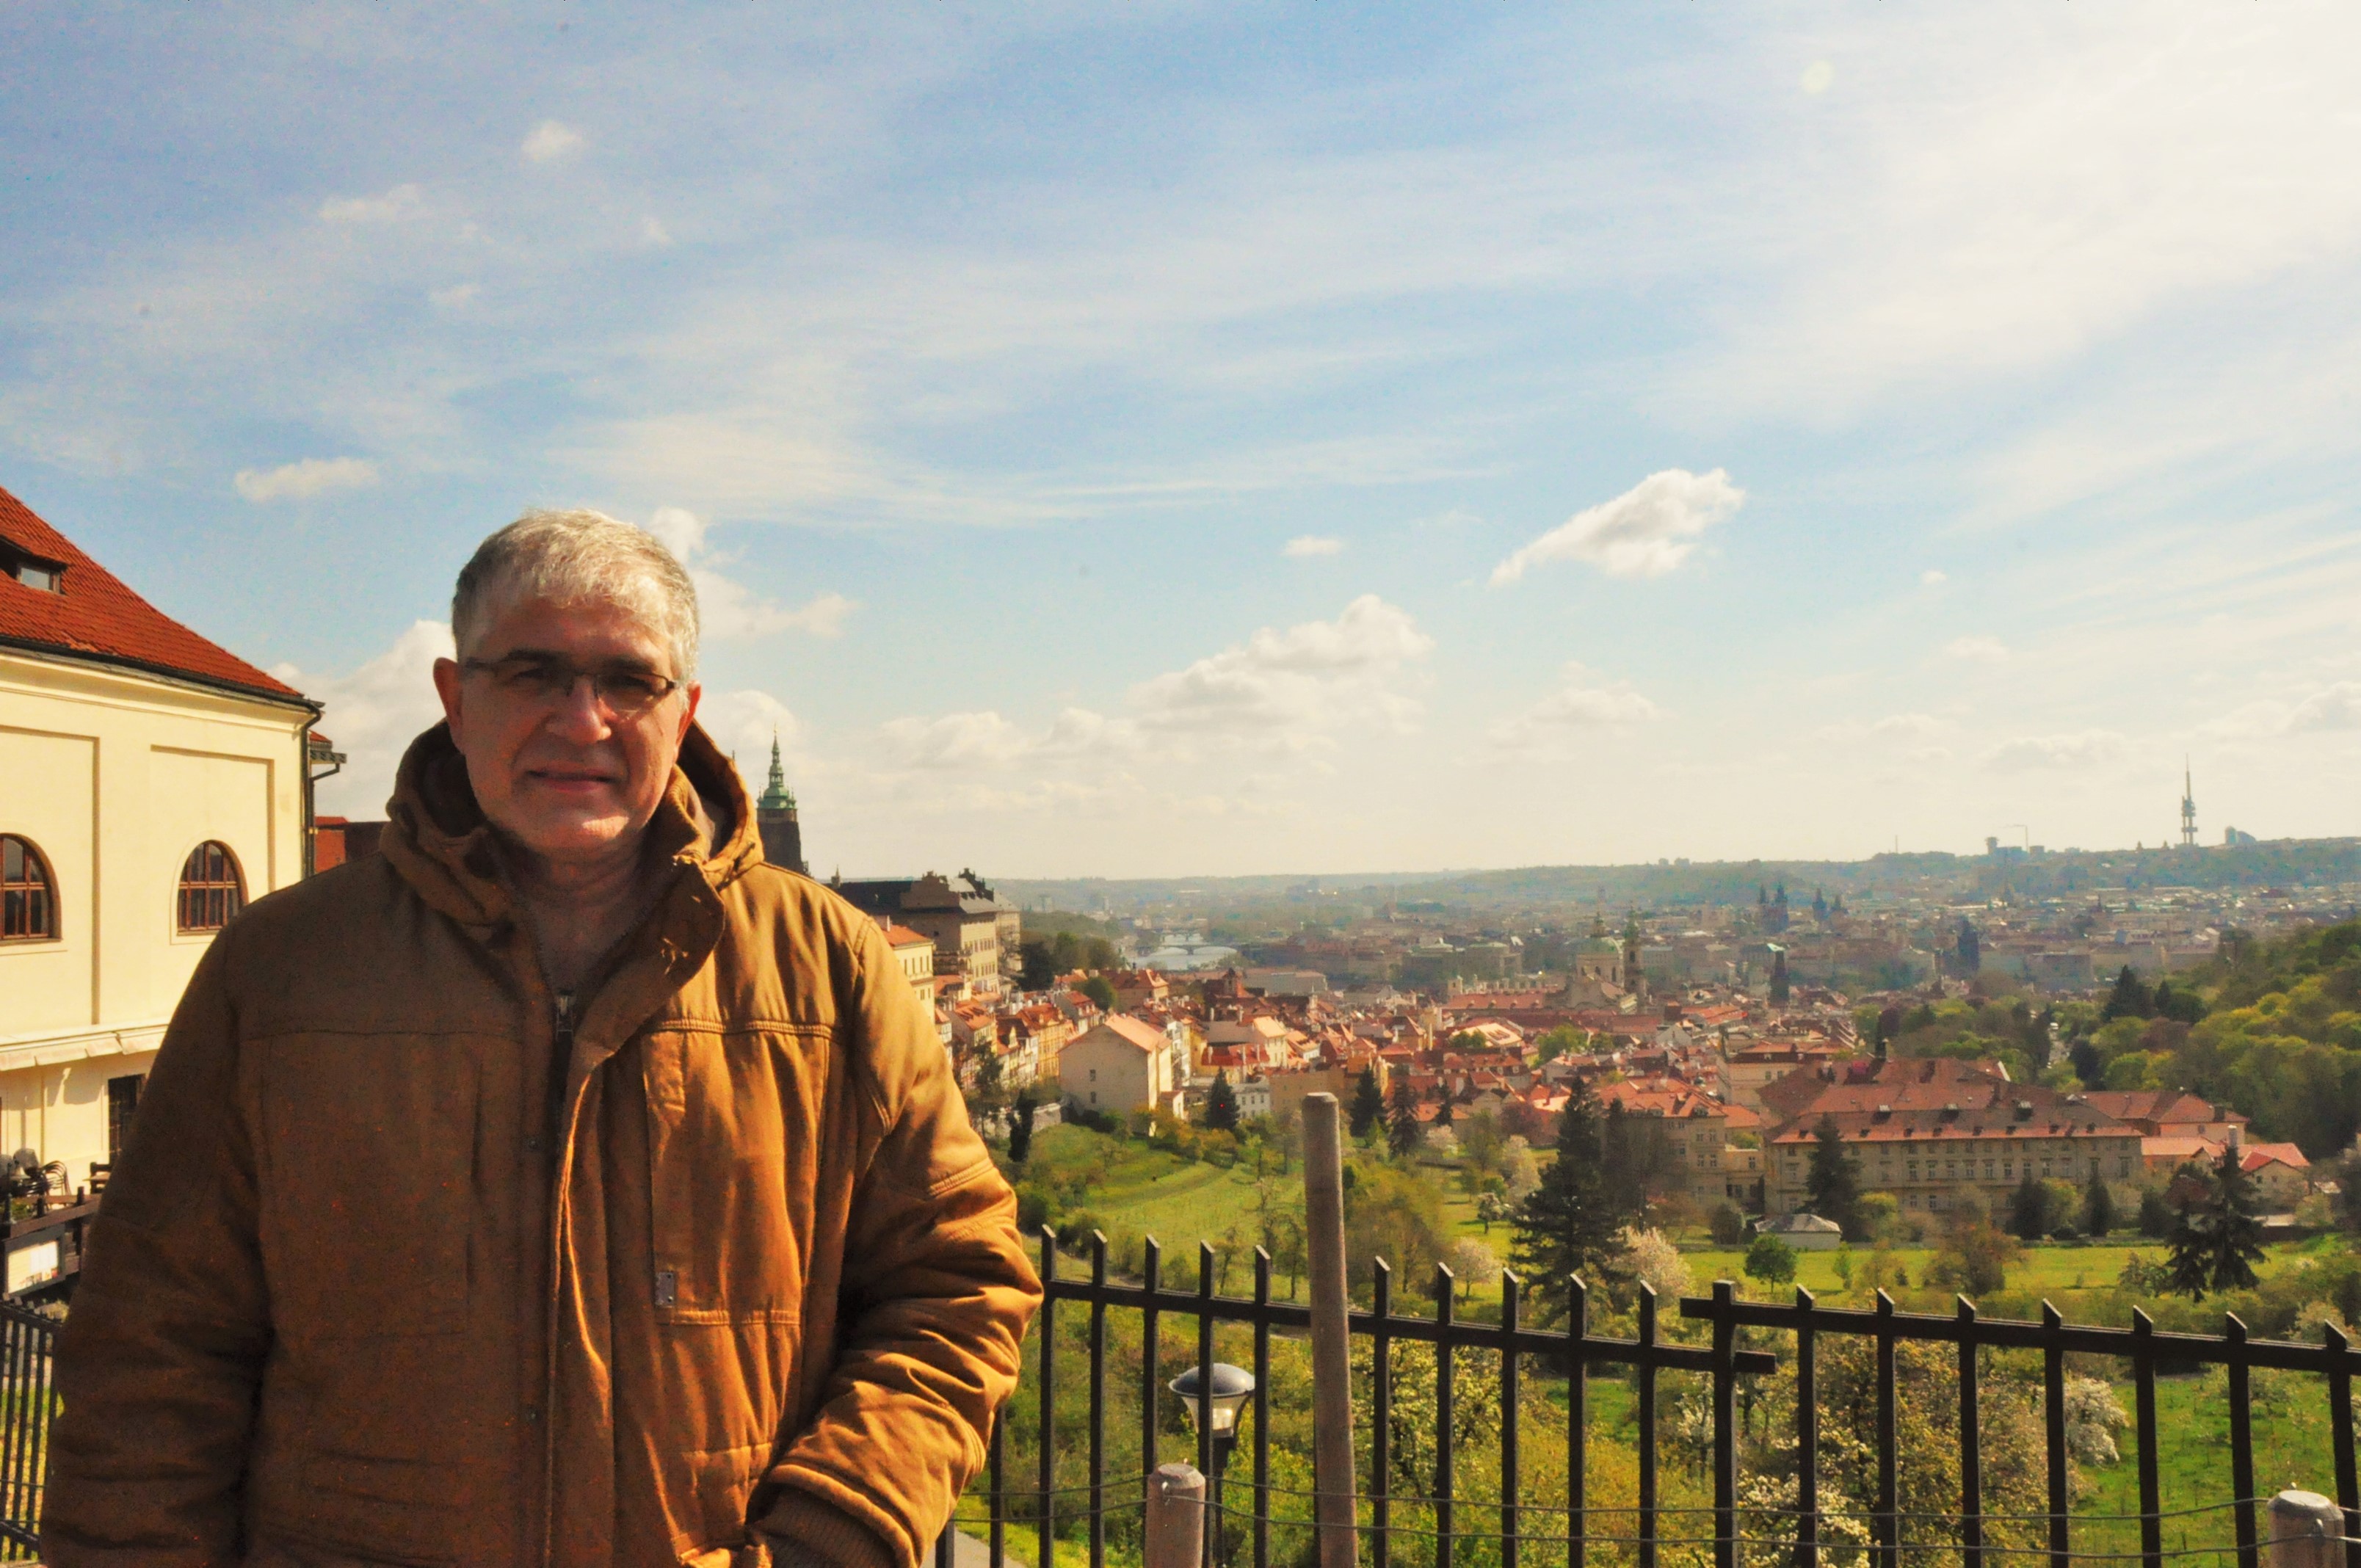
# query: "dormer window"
{"type": "Point", "coordinates": [47, 575]}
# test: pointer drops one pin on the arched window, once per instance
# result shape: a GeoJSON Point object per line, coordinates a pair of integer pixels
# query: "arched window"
{"type": "Point", "coordinates": [28, 894]}
{"type": "Point", "coordinates": [212, 888]}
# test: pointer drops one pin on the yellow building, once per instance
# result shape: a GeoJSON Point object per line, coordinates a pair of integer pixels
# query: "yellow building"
{"type": "Point", "coordinates": [151, 785]}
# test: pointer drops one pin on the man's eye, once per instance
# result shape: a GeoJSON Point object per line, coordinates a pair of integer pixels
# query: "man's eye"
{"type": "Point", "coordinates": [633, 686]}
{"type": "Point", "coordinates": [540, 677]}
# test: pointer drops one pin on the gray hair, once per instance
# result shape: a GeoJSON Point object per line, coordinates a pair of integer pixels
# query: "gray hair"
{"type": "Point", "coordinates": [574, 557]}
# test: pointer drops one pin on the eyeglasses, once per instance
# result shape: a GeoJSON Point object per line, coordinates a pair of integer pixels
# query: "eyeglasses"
{"type": "Point", "coordinates": [626, 691]}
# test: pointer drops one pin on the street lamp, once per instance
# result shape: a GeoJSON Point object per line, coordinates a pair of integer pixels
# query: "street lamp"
{"type": "Point", "coordinates": [1221, 1395]}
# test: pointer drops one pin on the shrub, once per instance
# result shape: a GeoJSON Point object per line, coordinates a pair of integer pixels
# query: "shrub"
{"type": "Point", "coordinates": [1771, 1260]}
{"type": "Point", "coordinates": [1729, 1224]}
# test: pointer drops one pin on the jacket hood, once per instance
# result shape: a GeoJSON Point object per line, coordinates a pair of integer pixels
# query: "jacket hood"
{"type": "Point", "coordinates": [438, 839]}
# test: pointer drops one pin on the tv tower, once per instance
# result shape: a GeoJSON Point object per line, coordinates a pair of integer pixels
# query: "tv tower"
{"type": "Point", "coordinates": [2187, 808]}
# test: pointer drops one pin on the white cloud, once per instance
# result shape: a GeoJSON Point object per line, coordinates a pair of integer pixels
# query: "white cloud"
{"type": "Point", "coordinates": [1978, 650]}
{"type": "Point", "coordinates": [1816, 77]}
{"type": "Point", "coordinates": [1933, 577]}
{"type": "Point", "coordinates": [1306, 546]}
{"type": "Point", "coordinates": [727, 608]}
{"type": "Point", "coordinates": [2333, 707]}
{"type": "Point", "coordinates": [2080, 749]}
{"type": "Point", "coordinates": [1314, 676]}
{"type": "Point", "coordinates": [1895, 728]}
{"type": "Point", "coordinates": [653, 232]}
{"type": "Point", "coordinates": [956, 740]}
{"type": "Point", "coordinates": [550, 140]}
{"type": "Point", "coordinates": [373, 713]}
{"type": "Point", "coordinates": [299, 481]}
{"type": "Point", "coordinates": [1646, 532]}
{"type": "Point", "coordinates": [456, 297]}
{"type": "Point", "coordinates": [1581, 704]}
{"type": "Point", "coordinates": [399, 203]}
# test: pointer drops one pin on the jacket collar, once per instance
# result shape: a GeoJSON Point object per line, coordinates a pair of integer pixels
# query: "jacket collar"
{"type": "Point", "coordinates": [437, 839]}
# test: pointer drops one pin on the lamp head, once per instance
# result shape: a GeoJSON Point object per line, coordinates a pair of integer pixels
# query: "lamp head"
{"type": "Point", "coordinates": [1218, 1407]}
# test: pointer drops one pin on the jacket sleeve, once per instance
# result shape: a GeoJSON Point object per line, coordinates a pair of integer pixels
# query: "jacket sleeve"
{"type": "Point", "coordinates": [937, 1297]}
{"type": "Point", "coordinates": [159, 1360]}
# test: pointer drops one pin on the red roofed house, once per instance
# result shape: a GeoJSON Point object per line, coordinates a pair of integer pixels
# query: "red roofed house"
{"type": "Point", "coordinates": [1121, 1064]}
{"type": "Point", "coordinates": [151, 785]}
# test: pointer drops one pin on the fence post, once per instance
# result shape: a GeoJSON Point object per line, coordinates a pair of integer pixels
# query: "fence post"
{"type": "Point", "coordinates": [2307, 1531]}
{"type": "Point", "coordinates": [1176, 1518]}
{"type": "Point", "coordinates": [1332, 1390]}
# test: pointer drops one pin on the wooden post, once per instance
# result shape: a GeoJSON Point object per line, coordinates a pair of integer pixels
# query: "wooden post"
{"type": "Point", "coordinates": [1176, 1518]}
{"type": "Point", "coordinates": [1332, 1387]}
{"type": "Point", "coordinates": [2307, 1530]}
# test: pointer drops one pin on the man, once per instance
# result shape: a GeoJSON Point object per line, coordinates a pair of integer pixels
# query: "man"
{"type": "Point", "coordinates": [563, 1185]}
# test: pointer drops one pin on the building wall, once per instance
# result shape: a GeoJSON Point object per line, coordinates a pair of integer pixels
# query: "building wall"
{"type": "Point", "coordinates": [1931, 1174]}
{"type": "Point", "coordinates": [117, 776]}
{"type": "Point", "coordinates": [1104, 1072]}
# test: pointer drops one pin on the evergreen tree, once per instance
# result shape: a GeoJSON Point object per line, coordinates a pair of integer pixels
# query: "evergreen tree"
{"type": "Point", "coordinates": [2130, 999]}
{"type": "Point", "coordinates": [2098, 1207]}
{"type": "Point", "coordinates": [1571, 1224]}
{"type": "Point", "coordinates": [1368, 1103]}
{"type": "Point", "coordinates": [1222, 1105]}
{"type": "Point", "coordinates": [1020, 1129]}
{"type": "Point", "coordinates": [1401, 1119]}
{"type": "Point", "coordinates": [1971, 949]}
{"type": "Point", "coordinates": [2217, 1236]}
{"type": "Point", "coordinates": [2155, 1213]}
{"type": "Point", "coordinates": [1443, 1110]}
{"type": "Point", "coordinates": [1832, 1186]}
{"type": "Point", "coordinates": [2028, 1209]}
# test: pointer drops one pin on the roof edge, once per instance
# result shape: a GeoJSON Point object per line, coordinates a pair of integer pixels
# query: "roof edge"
{"type": "Point", "coordinates": [172, 674]}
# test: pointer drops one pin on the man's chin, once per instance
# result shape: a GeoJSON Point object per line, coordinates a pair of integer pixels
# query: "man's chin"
{"type": "Point", "coordinates": [584, 838]}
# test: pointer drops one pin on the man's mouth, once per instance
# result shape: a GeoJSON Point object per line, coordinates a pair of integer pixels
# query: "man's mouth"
{"type": "Point", "coordinates": [571, 781]}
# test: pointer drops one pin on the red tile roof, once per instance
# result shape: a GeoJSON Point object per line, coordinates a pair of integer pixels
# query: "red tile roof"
{"type": "Point", "coordinates": [93, 615]}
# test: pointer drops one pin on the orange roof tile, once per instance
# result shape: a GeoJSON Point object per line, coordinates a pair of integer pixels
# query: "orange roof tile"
{"type": "Point", "coordinates": [93, 615]}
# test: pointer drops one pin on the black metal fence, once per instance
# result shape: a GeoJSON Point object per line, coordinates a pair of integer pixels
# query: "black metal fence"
{"type": "Point", "coordinates": [27, 1404]}
{"type": "Point", "coordinates": [1531, 1531]}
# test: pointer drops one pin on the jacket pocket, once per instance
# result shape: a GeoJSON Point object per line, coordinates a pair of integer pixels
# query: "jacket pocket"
{"type": "Point", "coordinates": [732, 1127]}
{"type": "Point", "coordinates": [723, 1479]}
{"type": "Point", "coordinates": [356, 1509]}
{"type": "Point", "coordinates": [369, 1173]}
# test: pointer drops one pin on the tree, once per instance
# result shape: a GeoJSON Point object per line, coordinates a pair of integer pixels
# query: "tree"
{"type": "Point", "coordinates": [1368, 1103]}
{"type": "Point", "coordinates": [1222, 1105]}
{"type": "Point", "coordinates": [2217, 1236]}
{"type": "Point", "coordinates": [2028, 1209]}
{"type": "Point", "coordinates": [1100, 990]}
{"type": "Point", "coordinates": [1727, 1222]}
{"type": "Point", "coordinates": [1037, 970]}
{"type": "Point", "coordinates": [1493, 1206]}
{"type": "Point", "coordinates": [1020, 1129]}
{"type": "Point", "coordinates": [1402, 1131]}
{"type": "Point", "coordinates": [1572, 1223]}
{"type": "Point", "coordinates": [1472, 1264]}
{"type": "Point", "coordinates": [1481, 1143]}
{"type": "Point", "coordinates": [1771, 1260]}
{"type": "Point", "coordinates": [1974, 1258]}
{"type": "Point", "coordinates": [1559, 1041]}
{"type": "Point", "coordinates": [1653, 1260]}
{"type": "Point", "coordinates": [2130, 999]}
{"type": "Point", "coordinates": [2098, 1206]}
{"type": "Point", "coordinates": [1832, 1186]}
{"type": "Point", "coordinates": [2155, 1213]}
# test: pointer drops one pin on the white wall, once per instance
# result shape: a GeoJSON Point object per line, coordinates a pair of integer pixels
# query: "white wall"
{"type": "Point", "coordinates": [117, 776]}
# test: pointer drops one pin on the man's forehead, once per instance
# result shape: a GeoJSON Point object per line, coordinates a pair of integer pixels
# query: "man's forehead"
{"type": "Point", "coordinates": [573, 628]}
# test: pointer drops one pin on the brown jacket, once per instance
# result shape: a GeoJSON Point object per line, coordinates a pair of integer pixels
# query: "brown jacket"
{"type": "Point", "coordinates": [374, 1285]}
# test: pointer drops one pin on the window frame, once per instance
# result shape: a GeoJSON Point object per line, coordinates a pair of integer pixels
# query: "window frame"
{"type": "Point", "coordinates": [43, 885]}
{"type": "Point", "coordinates": [227, 892]}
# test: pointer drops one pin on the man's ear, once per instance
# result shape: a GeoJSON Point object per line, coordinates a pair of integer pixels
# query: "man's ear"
{"type": "Point", "coordinates": [687, 714]}
{"type": "Point", "coordinates": [447, 686]}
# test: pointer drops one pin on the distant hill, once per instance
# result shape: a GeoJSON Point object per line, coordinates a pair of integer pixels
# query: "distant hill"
{"type": "Point", "coordinates": [2285, 862]}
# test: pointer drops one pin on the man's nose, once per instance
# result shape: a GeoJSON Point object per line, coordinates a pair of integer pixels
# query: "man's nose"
{"type": "Point", "coordinates": [580, 715]}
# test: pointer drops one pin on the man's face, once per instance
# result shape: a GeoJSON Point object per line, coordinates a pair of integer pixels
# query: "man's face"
{"type": "Point", "coordinates": [570, 776]}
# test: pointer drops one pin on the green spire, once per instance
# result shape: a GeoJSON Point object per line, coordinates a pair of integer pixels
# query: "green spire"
{"type": "Point", "coordinates": [777, 796]}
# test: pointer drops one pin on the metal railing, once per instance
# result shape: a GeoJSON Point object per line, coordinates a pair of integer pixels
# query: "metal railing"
{"type": "Point", "coordinates": [1527, 1525]}
{"type": "Point", "coordinates": [27, 1404]}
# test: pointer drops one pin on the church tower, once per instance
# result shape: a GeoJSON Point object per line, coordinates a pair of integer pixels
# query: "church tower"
{"type": "Point", "coordinates": [774, 818]}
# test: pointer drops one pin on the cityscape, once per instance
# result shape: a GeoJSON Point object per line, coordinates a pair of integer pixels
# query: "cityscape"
{"type": "Point", "coordinates": [1487, 790]}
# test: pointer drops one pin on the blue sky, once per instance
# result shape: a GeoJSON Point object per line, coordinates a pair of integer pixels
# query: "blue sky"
{"type": "Point", "coordinates": [1191, 439]}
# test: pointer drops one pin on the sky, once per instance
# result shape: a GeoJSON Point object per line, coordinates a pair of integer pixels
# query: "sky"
{"type": "Point", "coordinates": [1198, 439]}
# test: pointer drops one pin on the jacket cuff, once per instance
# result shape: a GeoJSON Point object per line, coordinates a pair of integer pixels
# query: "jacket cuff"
{"type": "Point", "coordinates": [804, 1532]}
